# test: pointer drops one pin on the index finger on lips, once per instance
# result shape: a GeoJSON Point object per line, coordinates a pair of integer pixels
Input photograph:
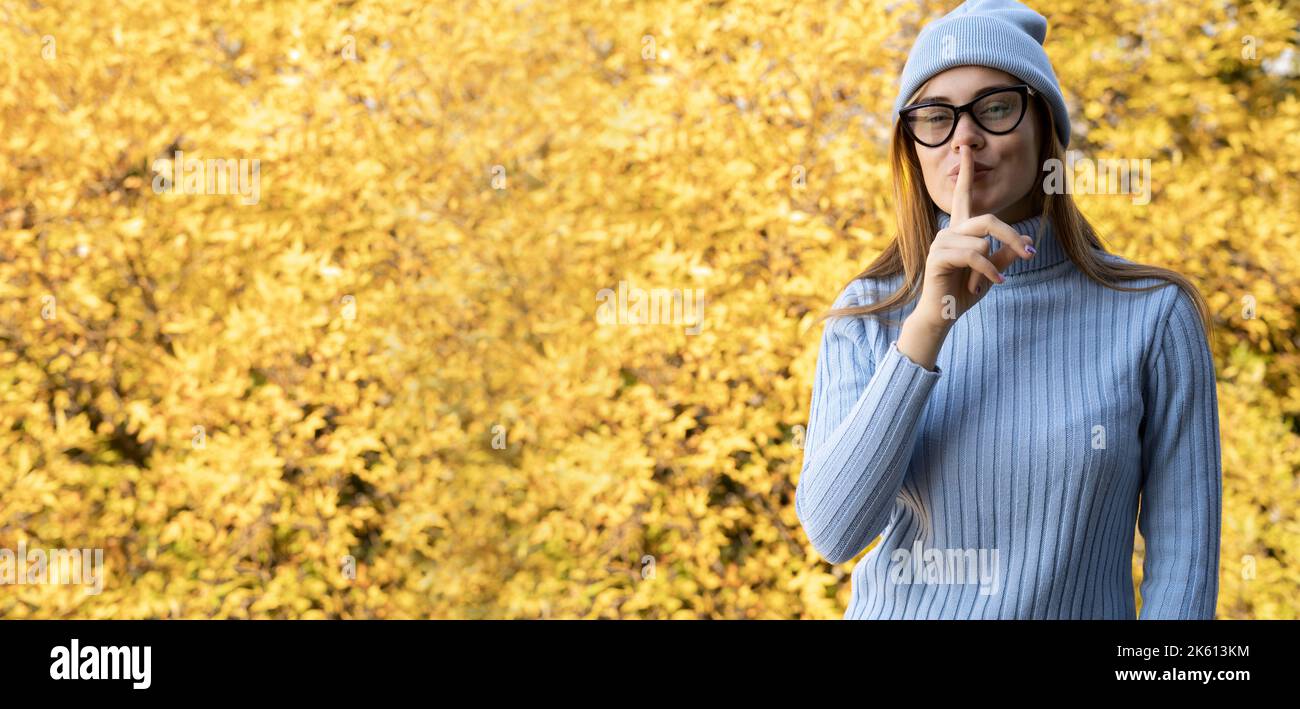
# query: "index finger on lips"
{"type": "Point", "coordinates": [961, 194]}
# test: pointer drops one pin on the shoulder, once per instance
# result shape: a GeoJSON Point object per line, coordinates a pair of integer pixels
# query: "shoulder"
{"type": "Point", "coordinates": [865, 291]}
{"type": "Point", "coordinates": [1178, 332]}
{"type": "Point", "coordinates": [1180, 324]}
{"type": "Point", "coordinates": [1180, 362]}
{"type": "Point", "coordinates": [1166, 313]}
{"type": "Point", "coordinates": [862, 292]}
{"type": "Point", "coordinates": [1108, 257]}
{"type": "Point", "coordinates": [1164, 299]}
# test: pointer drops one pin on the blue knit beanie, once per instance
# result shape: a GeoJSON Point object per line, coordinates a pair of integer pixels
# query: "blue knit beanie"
{"type": "Point", "coordinates": [1002, 34]}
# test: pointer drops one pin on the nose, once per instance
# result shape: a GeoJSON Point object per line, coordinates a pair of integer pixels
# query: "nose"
{"type": "Point", "coordinates": [967, 133]}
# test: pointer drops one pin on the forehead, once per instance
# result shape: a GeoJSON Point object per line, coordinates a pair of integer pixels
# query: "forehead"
{"type": "Point", "coordinates": [962, 83]}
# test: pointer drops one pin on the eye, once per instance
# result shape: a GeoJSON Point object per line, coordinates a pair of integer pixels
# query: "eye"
{"type": "Point", "coordinates": [930, 116]}
{"type": "Point", "coordinates": [997, 109]}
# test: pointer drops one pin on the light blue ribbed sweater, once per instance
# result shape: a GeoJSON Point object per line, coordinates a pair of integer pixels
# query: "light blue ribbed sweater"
{"type": "Point", "coordinates": [1006, 482]}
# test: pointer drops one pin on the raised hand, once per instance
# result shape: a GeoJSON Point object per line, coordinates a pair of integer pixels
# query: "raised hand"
{"type": "Point", "coordinates": [960, 262]}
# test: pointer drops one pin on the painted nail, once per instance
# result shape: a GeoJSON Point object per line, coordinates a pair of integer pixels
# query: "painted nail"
{"type": "Point", "coordinates": [1002, 278]}
{"type": "Point", "coordinates": [1031, 249]}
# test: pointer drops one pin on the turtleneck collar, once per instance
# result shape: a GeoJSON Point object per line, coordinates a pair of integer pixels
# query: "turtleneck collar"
{"type": "Point", "coordinates": [1050, 251]}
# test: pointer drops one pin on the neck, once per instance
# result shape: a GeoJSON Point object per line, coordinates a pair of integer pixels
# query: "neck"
{"type": "Point", "coordinates": [1037, 227]}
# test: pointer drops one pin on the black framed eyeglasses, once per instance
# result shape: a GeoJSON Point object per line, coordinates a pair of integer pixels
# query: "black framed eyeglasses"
{"type": "Point", "coordinates": [997, 111]}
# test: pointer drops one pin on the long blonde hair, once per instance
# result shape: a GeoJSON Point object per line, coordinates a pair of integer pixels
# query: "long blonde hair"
{"type": "Point", "coordinates": [914, 211]}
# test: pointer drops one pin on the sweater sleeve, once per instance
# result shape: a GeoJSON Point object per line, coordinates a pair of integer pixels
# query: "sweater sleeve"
{"type": "Point", "coordinates": [862, 424]}
{"type": "Point", "coordinates": [1182, 474]}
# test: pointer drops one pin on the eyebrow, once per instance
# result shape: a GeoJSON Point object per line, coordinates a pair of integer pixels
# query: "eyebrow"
{"type": "Point", "coordinates": [977, 93]}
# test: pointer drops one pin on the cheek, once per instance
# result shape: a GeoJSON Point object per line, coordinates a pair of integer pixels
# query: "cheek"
{"type": "Point", "coordinates": [1026, 173]}
{"type": "Point", "coordinates": [932, 166]}
{"type": "Point", "coordinates": [1021, 171]}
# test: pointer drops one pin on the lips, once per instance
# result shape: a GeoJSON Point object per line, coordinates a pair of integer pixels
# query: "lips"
{"type": "Point", "coordinates": [980, 168]}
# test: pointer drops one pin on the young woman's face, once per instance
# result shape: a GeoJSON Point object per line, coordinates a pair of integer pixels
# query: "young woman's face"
{"type": "Point", "coordinates": [1011, 159]}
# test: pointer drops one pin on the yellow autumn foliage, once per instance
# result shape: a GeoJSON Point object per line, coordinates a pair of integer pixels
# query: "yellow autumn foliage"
{"type": "Point", "coordinates": [374, 382]}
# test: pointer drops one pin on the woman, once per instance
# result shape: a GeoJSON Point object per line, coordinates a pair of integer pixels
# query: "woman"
{"type": "Point", "coordinates": [1000, 434]}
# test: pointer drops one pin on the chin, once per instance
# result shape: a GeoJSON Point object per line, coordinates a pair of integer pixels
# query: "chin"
{"type": "Point", "coordinates": [980, 206]}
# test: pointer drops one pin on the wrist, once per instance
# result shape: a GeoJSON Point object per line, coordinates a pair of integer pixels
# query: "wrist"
{"type": "Point", "coordinates": [928, 325]}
